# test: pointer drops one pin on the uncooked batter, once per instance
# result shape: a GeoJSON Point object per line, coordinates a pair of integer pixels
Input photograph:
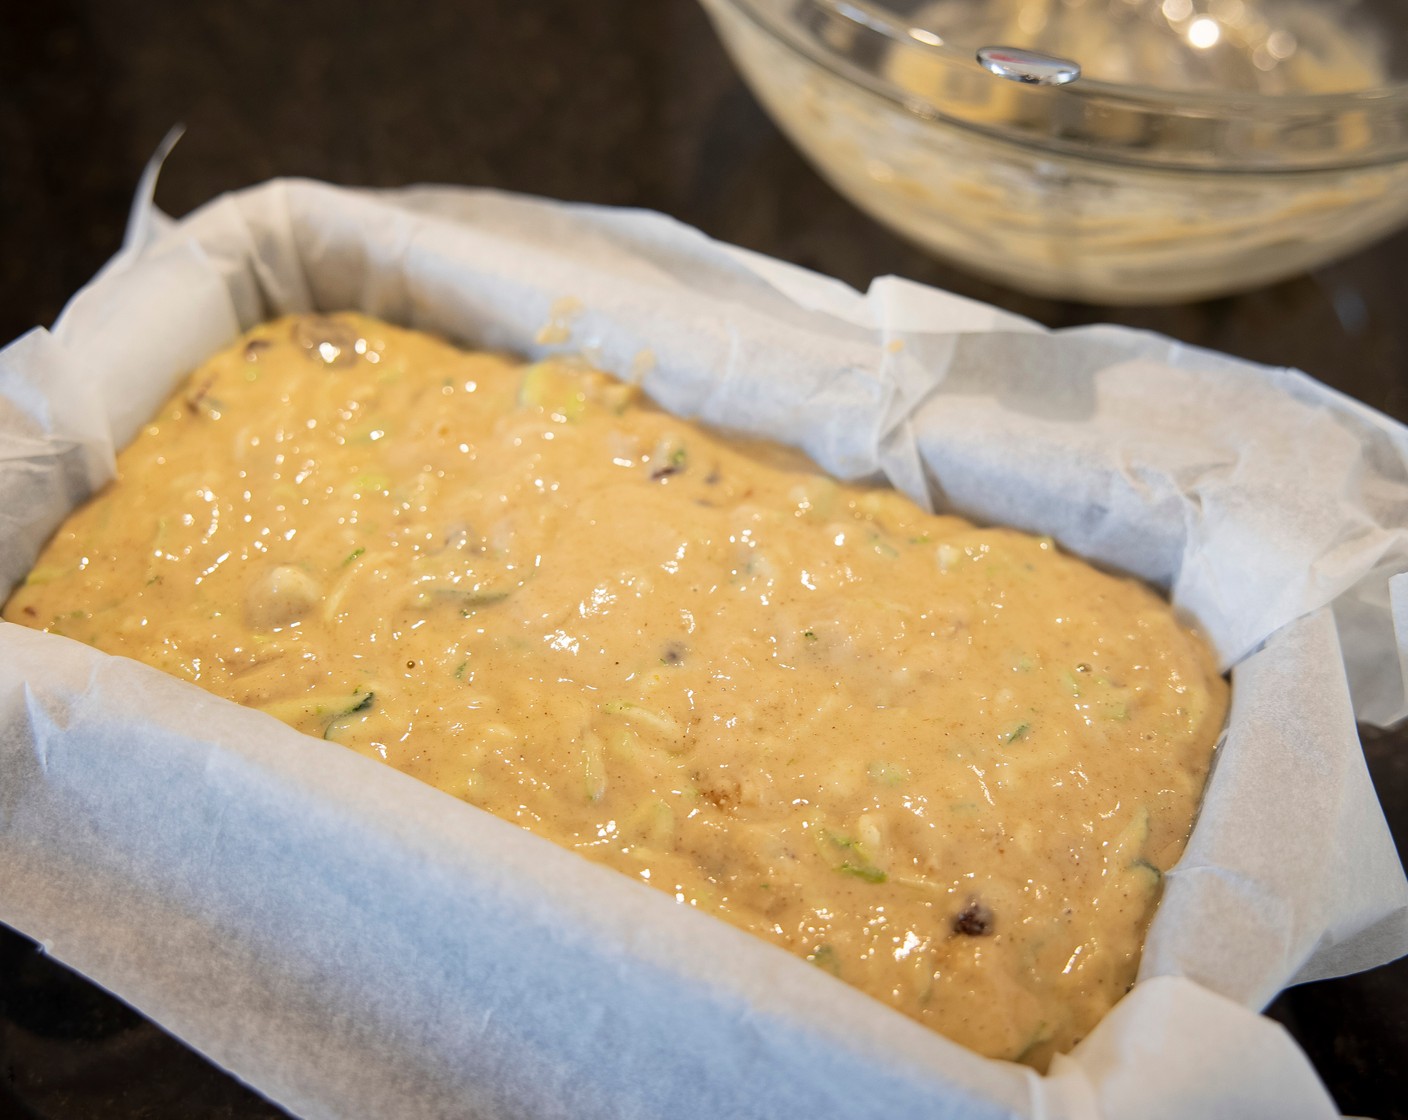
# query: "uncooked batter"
{"type": "Point", "coordinates": [947, 764]}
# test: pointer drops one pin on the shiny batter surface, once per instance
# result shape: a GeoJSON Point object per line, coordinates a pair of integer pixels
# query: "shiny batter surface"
{"type": "Point", "coordinates": [946, 764]}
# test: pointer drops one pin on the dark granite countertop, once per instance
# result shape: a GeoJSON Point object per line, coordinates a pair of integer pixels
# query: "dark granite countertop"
{"type": "Point", "coordinates": [626, 102]}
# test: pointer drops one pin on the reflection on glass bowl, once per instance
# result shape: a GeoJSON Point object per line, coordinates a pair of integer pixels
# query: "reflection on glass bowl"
{"type": "Point", "coordinates": [1209, 145]}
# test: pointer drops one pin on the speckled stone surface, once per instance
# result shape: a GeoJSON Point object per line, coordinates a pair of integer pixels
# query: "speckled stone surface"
{"type": "Point", "coordinates": [628, 102]}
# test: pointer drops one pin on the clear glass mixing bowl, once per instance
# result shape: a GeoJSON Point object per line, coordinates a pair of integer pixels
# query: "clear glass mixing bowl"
{"type": "Point", "coordinates": [1208, 145]}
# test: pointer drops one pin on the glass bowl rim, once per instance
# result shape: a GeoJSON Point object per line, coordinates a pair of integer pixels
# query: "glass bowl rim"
{"type": "Point", "coordinates": [1387, 103]}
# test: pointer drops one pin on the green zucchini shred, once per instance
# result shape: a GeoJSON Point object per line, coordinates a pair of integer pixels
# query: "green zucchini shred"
{"type": "Point", "coordinates": [356, 703]}
{"type": "Point", "coordinates": [824, 957]}
{"type": "Point", "coordinates": [886, 774]}
{"type": "Point", "coordinates": [1017, 733]}
{"type": "Point", "coordinates": [883, 547]}
{"type": "Point", "coordinates": [867, 871]}
{"type": "Point", "coordinates": [1143, 867]}
{"type": "Point", "coordinates": [546, 386]}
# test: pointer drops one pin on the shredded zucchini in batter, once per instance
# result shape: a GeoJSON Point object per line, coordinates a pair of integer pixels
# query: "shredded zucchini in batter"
{"type": "Point", "coordinates": [948, 765]}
